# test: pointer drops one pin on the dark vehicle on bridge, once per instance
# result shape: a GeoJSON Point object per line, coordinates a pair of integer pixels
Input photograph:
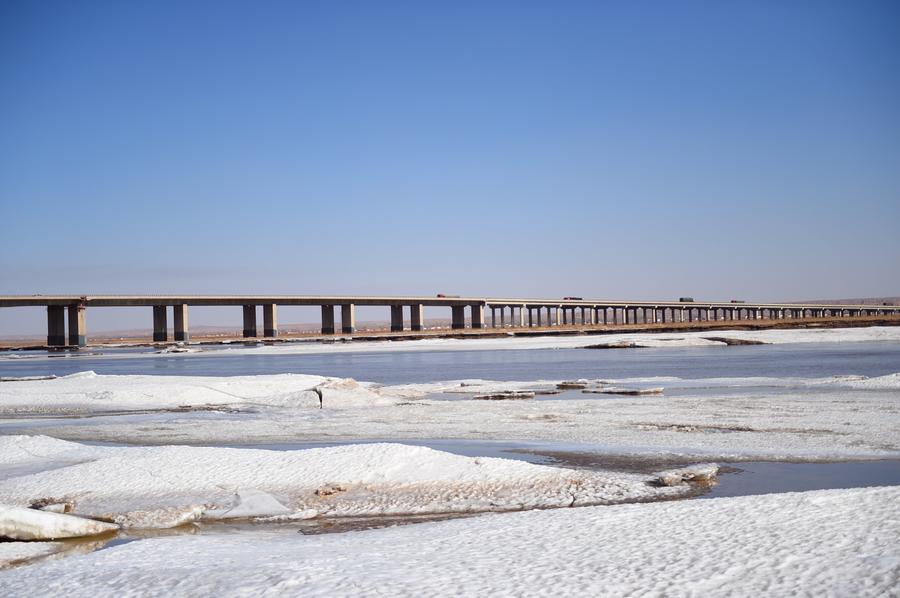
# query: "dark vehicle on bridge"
{"type": "Point", "coordinates": [738, 301]}
{"type": "Point", "coordinates": [573, 298]}
{"type": "Point", "coordinates": [443, 296]}
{"type": "Point", "coordinates": [686, 299]}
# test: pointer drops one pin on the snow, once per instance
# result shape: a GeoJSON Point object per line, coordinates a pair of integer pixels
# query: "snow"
{"type": "Point", "coordinates": [14, 553]}
{"type": "Point", "coordinates": [30, 524]}
{"type": "Point", "coordinates": [838, 542]}
{"type": "Point", "coordinates": [153, 487]}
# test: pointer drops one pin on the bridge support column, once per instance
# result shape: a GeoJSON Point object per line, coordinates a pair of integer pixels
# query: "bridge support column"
{"type": "Point", "coordinates": [160, 326]}
{"type": "Point", "coordinates": [417, 317]}
{"type": "Point", "coordinates": [327, 319]}
{"type": "Point", "coordinates": [56, 326]}
{"type": "Point", "coordinates": [180, 320]}
{"type": "Point", "coordinates": [522, 316]}
{"type": "Point", "coordinates": [77, 327]}
{"type": "Point", "coordinates": [502, 317]}
{"type": "Point", "coordinates": [493, 317]}
{"type": "Point", "coordinates": [538, 310]}
{"type": "Point", "coordinates": [396, 318]}
{"type": "Point", "coordinates": [477, 316]}
{"type": "Point", "coordinates": [530, 317]}
{"type": "Point", "coordinates": [270, 320]}
{"type": "Point", "coordinates": [250, 321]}
{"type": "Point", "coordinates": [348, 318]}
{"type": "Point", "coordinates": [458, 317]}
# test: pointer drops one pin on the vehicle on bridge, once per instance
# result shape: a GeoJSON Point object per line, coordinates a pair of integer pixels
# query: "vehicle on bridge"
{"type": "Point", "coordinates": [738, 301]}
{"type": "Point", "coordinates": [686, 299]}
{"type": "Point", "coordinates": [573, 298]}
{"type": "Point", "coordinates": [443, 296]}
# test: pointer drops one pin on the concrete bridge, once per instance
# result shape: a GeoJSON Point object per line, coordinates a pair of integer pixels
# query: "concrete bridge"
{"type": "Point", "coordinates": [504, 312]}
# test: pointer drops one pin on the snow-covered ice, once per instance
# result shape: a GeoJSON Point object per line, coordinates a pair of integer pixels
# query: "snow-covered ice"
{"type": "Point", "coordinates": [87, 392]}
{"type": "Point", "coordinates": [845, 417]}
{"type": "Point", "coordinates": [172, 485]}
{"type": "Point", "coordinates": [837, 543]}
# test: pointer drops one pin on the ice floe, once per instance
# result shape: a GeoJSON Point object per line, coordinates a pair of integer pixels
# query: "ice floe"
{"type": "Point", "coordinates": [20, 523]}
{"type": "Point", "coordinates": [172, 485]}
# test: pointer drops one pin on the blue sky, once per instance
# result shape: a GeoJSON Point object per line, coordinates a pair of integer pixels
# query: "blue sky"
{"type": "Point", "coordinates": [608, 149]}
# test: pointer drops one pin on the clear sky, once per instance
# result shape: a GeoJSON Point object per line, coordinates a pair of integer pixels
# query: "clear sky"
{"type": "Point", "coordinates": [604, 149]}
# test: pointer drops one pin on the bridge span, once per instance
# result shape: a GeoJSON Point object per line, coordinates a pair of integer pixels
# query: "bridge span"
{"type": "Point", "coordinates": [67, 324]}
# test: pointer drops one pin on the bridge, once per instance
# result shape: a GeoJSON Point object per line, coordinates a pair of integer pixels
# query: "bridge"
{"type": "Point", "coordinates": [521, 312]}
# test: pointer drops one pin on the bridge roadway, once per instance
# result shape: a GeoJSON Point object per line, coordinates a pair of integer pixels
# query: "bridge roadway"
{"type": "Point", "coordinates": [520, 312]}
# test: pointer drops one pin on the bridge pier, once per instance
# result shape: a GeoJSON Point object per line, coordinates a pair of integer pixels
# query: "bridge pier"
{"type": "Point", "coordinates": [327, 319]}
{"type": "Point", "coordinates": [348, 318]}
{"type": "Point", "coordinates": [457, 317]}
{"type": "Point", "coordinates": [160, 326]}
{"type": "Point", "coordinates": [417, 317]}
{"type": "Point", "coordinates": [249, 321]}
{"type": "Point", "coordinates": [396, 318]}
{"type": "Point", "coordinates": [477, 316]}
{"type": "Point", "coordinates": [180, 320]}
{"type": "Point", "coordinates": [56, 326]}
{"type": "Point", "coordinates": [77, 326]}
{"type": "Point", "coordinates": [270, 320]}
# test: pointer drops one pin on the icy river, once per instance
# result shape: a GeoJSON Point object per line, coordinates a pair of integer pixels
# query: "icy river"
{"type": "Point", "coordinates": [233, 441]}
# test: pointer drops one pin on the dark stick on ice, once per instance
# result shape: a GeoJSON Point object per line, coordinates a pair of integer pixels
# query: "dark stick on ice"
{"type": "Point", "coordinates": [318, 391]}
